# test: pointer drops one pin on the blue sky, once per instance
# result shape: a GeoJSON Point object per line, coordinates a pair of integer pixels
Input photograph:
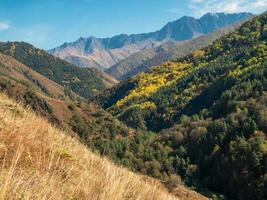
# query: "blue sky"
{"type": "Point", "coordinates": [49, 23]}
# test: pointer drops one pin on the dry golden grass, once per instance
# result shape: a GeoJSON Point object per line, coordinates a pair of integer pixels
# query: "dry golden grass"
{"type": "Point", "coordinates": [38, 161]}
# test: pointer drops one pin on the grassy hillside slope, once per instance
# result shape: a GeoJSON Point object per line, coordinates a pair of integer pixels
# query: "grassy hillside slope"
{"type": "Point", "coordinates": [40, 162]}
{"type": "Point", "coordinates": [83, 81]}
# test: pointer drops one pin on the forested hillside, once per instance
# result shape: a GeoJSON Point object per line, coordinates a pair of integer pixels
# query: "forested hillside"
{"type": "Point", "coordinates": [204, 117]}
{"type": "Point", "coordinates": [83, 81]}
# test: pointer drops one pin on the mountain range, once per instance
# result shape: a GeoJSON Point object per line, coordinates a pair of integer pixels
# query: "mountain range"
{"type": "Point", "coordinates": [191, 115]}
{"type": "Point", "coordinates": [144, 59]}
{"type": "Point", "coordinates": [102, 53]}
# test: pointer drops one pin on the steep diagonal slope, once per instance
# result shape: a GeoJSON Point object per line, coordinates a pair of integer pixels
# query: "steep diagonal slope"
{"type": "Point", "coordinates": [144, 59]}
{"type": "Point", "coordinates": [83, 81]}
{"type": "Point", "coordinates": [40, 162]}
{"type": "Point", "coordinates": [12, 69]}
{"type": "Point", "coordinates": [106, 52]}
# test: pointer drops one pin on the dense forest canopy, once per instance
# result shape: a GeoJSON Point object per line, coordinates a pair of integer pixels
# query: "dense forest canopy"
{"type": "Point", "coordinates": [202, 117]}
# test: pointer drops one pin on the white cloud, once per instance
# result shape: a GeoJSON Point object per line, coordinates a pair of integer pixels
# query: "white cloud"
{"type": "Point", "coordinates": [200, 7]}
{"type": "Point", "coordinates": [4, 26]}
{"type": "Point", "coordinates": [197, 1]}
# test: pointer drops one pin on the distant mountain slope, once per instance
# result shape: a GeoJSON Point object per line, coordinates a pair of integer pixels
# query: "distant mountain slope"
{"type": "Point", "coordinates": [204, 115]}
{"type": "Point", "coordinates": [11, 69]}
{"type": "Point", "coordinates": [144, 59]}
{"type": "Point", "coordinates": [106, 52]}
{"type": "Point", "coordinates": [83, 81]}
